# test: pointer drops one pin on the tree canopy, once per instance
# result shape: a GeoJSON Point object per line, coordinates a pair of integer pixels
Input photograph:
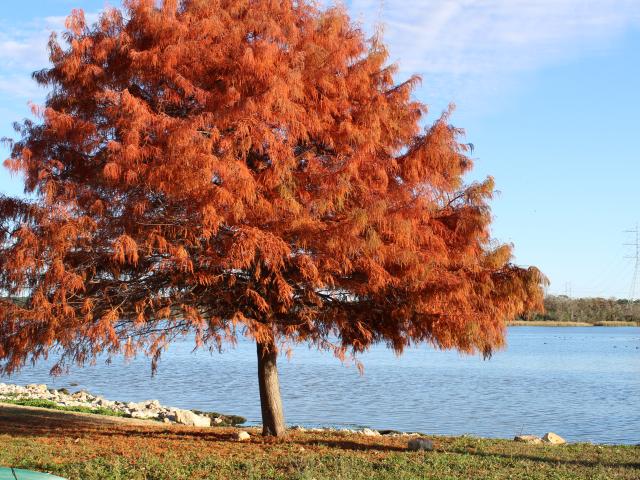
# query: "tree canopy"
{"type": "Point", "coordinates": [234, 167]}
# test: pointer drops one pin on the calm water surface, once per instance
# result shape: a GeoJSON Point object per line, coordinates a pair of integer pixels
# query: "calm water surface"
{"type": "Point", "coordinates": [583, 383]}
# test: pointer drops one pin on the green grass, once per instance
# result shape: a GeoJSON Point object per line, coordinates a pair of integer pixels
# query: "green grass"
{"type": "Point", "coordinates": [29, 402]}
{"type": "Point", "coordinates": [333, 466]}
{"type": "Point", "coordinates": [93, 448]}
{"type": "Point", "coordinates": [455, 459]}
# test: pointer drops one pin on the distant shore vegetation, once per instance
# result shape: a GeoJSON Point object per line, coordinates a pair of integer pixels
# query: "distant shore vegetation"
{"type": "Point", "coordinates": [561, 309]}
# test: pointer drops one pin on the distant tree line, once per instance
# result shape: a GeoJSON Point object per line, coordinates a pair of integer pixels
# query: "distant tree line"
{"type": "Point", "coordinates": [560, 308]}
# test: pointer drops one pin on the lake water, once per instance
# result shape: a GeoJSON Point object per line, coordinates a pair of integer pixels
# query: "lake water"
{"type": "Point", "coordinates": [582, 383]}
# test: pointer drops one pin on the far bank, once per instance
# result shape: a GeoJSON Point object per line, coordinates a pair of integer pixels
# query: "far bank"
{"type": "Point", "coordinates": [552, 323]}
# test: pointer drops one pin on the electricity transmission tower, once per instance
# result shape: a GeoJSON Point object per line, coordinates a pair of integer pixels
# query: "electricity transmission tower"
{"type": "Point", "coordinates": [636, 258]}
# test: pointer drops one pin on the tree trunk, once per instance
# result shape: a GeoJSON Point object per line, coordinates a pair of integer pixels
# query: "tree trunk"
{"type": "Point", "coordinates": [270, 401]}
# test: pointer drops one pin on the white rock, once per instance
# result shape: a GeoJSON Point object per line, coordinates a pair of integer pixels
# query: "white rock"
{"type": "Point", "coordinates": [370, 433]}
{"type": "Point", "coordinates": [242, 436]}
{"type": "Point", "coordinates": [169, 416]}
{"type": "Point", "coordinates": [144, 414]}
{"type": "Point", "coordinates": [80, 396]}
{"type": "Point", "coordinates": [103, 402]}
{"type": "Point", "coordinates": [553, 439]}
{"type": "Point", "coordinates": [187, 417]}
{"type": "Point", "coordinates": [37, 388]}
{"type": "Point", "coordinates": [416, 444]}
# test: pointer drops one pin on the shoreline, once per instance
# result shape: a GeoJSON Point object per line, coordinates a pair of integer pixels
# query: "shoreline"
{"type": "Point", "coordinates": [551, 323]}
{"type": "Point", "coordinates": [25, 412]}
{"type": "Point", "coordinates": [82, 401]}
{"type": "Point", "coordinates": [99, 419]}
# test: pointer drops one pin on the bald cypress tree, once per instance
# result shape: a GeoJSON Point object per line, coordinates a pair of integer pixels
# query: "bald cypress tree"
{"type": "Point", "coordinates": [221, 168]}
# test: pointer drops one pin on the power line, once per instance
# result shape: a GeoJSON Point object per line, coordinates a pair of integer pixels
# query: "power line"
{"type": "Point", "coordinates": [636, 257]}
{"type": "Point", "coordinates": [607, 279]}
{"type": "Point", "coordinates": [567, 292]}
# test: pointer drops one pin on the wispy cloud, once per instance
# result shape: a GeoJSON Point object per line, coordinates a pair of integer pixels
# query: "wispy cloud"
{"type": "Point", "coordinates": [463, 48]}
{"type": "Point", "coordinates": [23, 49]}
{"type": "Point", "coordinates": [463, 43]}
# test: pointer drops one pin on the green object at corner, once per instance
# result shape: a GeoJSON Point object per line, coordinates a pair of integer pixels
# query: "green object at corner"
{"type": "Point", "coordinates": [18, 474]}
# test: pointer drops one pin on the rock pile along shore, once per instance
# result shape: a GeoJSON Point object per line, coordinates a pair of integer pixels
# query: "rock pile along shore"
{"type": "Point", "coordinates": [148, 409]}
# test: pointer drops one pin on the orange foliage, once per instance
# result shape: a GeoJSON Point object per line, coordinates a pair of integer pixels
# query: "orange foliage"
{"type": "Point", "coordinates": [223, 167]}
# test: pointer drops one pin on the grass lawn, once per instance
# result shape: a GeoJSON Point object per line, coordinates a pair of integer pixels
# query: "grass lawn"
{"type": "Point", "coordinates": [90, 447]}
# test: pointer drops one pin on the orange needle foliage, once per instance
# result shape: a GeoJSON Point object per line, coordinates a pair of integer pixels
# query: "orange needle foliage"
{"type": "Point", "coordinates": [226, 167]}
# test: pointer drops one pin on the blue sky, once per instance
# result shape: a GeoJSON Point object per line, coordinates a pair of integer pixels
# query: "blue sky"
{"type": "Point", "coordinates": [547, 91]}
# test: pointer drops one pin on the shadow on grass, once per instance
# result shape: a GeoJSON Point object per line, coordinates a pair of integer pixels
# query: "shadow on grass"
{"type": "Point", "coordinates": [350, 445]}
{"type": "Point", "coordinates": [31, 422]}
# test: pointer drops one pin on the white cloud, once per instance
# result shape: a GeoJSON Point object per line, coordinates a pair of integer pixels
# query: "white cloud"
{"type": "Point", "coordinates": [20, 54]}
{"type": "Point", "coordinates": [20, 87]}
{"type": "Point", "coordinates": [23, 49]}
{"type": "Point", "coordinates": [456, 44]}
